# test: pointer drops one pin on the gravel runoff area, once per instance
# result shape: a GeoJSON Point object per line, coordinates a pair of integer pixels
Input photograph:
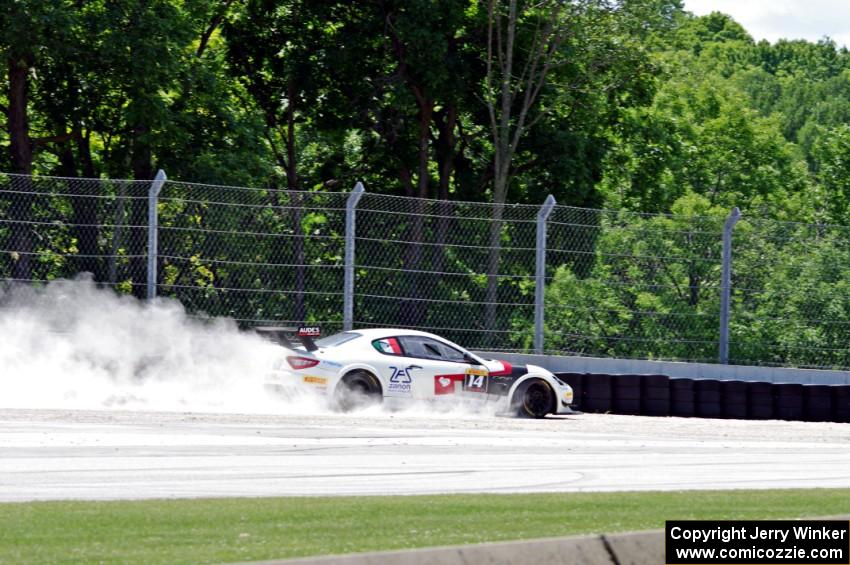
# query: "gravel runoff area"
{"type": "Point", "coordinates": [76, 454]}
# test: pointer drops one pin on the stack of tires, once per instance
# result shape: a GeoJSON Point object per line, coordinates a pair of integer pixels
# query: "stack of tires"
{"type": "Point", "coordinates": [788, 401]}
{"type": "Point", "coordinates": [707, 398]}
{"type": "Point", "coordinates": [655, 395]}
{"type": "Point", "coordinates": [841, 404]}
{"type": "Point", "coordinates": [734, 395]}
{"type": "Point", "coordinates": [625, 394]}
{"type": "Point", "coordinates": [596, 393]}
{"type": "Point", "coordinates": [682, 398]}
{"type": "Point", "coordinates": [759, 401]}
{"type": "Point", "coordinates": [817, 403]}
{"type": "Point", "coordinates": [659, 395]}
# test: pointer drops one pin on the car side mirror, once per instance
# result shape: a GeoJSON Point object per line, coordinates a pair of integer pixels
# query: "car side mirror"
{"type": "Point", "coordinates": [470, 359]}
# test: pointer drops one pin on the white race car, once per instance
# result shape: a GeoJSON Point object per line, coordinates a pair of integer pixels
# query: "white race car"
{"type": "Point", "coordinates": [360, 367]}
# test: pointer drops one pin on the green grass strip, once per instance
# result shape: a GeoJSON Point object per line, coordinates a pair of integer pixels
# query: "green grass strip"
{"type": "Point", "coordinates": [244, 529]}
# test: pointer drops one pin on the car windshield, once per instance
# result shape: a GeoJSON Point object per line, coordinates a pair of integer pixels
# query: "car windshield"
{"type": "Point", "coordinates": [337, 339]}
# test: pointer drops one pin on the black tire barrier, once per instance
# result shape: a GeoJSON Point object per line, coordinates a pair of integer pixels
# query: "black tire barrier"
{"type": "Point", "coordinates": [734, 404]}
{"type": "Point", "coordinates": [817, 403]}
{"type": "Point", "coordinates": [707, 398]}
{"type": "Point", "coordinates": [596, 393]}
{"type": "Point", "coordinates": [659, 395]}
{"type": "Point", "coordinates": [625, 394]}
{"type": "Point", "coordinates": [654, 381]}
{"type": "Point", "coordinates": [655, 395]}
{"type": "Point", "coordinates": [759, 400]}
{"type": "Point", "coordinates": [682, 397]}
{"type": "Point", "coordinates": [575, 381]}
{"type": "Point", "coordinates": [841, 403]}
{"type": "Point", "coordinates": [788, 401]}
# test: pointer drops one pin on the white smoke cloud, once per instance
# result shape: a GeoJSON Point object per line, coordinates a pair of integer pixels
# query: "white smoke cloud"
{"type": "Point", "coordinates": [74, 345]}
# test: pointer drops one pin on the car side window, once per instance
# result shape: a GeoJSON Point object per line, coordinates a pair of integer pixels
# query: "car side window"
{"type": "Point", "coordinates": [452, 354]}
{"type": "Point", "coordinates": [387, 346]}
{"type": "Point", "coordinates": [420, 347]}
{"type": "Point", "coordinates": [427, 348]}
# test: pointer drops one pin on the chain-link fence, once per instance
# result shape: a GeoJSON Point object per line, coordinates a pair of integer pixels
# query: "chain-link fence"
{"type": "Point", "coordinates": [57, 227]}
{"type": "Point", "coordinates": [634, 285]}
{"type": "Point", "coordinates": [611, 284]}
{"type": "Point", "coordinates": [791, 294]}
{"type": "Point", "coordinates": [429, 265]}
{"type": "Point", "coordinates": [259, 256]}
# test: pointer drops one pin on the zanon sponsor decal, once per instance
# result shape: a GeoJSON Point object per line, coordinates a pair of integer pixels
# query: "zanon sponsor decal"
{"type": "Point", "coordinates": [400, 379]}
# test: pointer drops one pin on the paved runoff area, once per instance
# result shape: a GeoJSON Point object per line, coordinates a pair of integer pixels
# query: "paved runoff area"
{"type": "Point", "coordinates": [76, 454]}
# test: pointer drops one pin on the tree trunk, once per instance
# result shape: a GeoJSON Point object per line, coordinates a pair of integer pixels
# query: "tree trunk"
{"type": "Point", "coordinates": [84, 153]}
{"type": "Point", "coordinates": [501, 165]}
{"type": "Point", "coordinates": [298, 256]}
{"type": "Point", "coordinates": [494, 255]}
{"type": "Point", "coordinates": [87, 214]}
{"type": "Point", "coordinates": [141, 162]}
{"type": "Point", "coordinates": [84, 209]}
{"type": "Point", "coordinates": [20, 144]}
{"type": "Point", "coordinates": [445, 157]}
{"type": "Point", "coordinates": [500, 182]}
{"type": "Point", "coordinates": [413, 311]}
{"type": "Point", "coordinates": [299, 307]}
{"type": "Point", "coordinates": [118, 232]}
{"type": "Point", "coordinates": [510, 96]}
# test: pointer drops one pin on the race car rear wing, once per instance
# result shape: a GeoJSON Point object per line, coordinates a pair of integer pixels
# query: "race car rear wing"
{"type": "Point", "coordinates": [281, 335]}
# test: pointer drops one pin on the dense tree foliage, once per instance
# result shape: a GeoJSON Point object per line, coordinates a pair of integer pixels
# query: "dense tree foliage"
{"type": "Point", "coordinates": [630, 105]}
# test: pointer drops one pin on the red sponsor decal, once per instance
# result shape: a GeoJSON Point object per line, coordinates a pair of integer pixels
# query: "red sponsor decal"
{"type": "Point", "coordinates": [445, 384]}
{"type": "Point", "coordinates": [505, 370]}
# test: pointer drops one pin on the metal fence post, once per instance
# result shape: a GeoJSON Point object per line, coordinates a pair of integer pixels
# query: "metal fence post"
{"type": "Point", "coordinates": [726, 284]}
{"type": "Point", "coordinates": [153, 231]}
{"type": "Point", "coordinates": [540, 272]}
{"type": "Point", "coordinates": [350, 232]}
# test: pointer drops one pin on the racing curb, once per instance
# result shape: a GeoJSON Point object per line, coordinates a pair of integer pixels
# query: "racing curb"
{"type": "Point", "coordinates": [638, 548]}
{"type": "Point", "coordinates": [633, 548]}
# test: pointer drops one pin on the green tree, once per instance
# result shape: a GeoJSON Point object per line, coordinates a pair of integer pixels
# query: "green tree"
{"type": "Point", "coordinates": [651, 291]}
{"type": "Point", "coordinates": [832, 158]}
{"type": "Point", "coordinates": [31, 37]}
{"type": "Point", "coordinates": [696, 137]}
{"type": "Point", "coordinates": [789, 302]}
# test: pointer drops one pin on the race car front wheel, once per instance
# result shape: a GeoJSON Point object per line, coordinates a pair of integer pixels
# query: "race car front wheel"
{"type": "Point", "coordinates": [357, 390]}
{"type": "Point", "coordinates": [534, 399]}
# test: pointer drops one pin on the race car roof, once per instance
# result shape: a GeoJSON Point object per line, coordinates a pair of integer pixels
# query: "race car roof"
{"type": "Point", "coordinates": [390, 332]}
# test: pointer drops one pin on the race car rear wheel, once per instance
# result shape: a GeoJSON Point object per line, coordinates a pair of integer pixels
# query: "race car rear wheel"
{"type": "Point", "coordinates": [534, 399]}
{"type": "Point", "coordinates": [357, 390]}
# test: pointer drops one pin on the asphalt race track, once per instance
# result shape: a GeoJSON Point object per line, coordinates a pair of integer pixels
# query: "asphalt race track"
{"type": "Point", "coordinates": [64, 454]}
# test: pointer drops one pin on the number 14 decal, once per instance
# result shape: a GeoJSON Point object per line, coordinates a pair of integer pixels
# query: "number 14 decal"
{"type": "Point", "coordinates": [475, 383]}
